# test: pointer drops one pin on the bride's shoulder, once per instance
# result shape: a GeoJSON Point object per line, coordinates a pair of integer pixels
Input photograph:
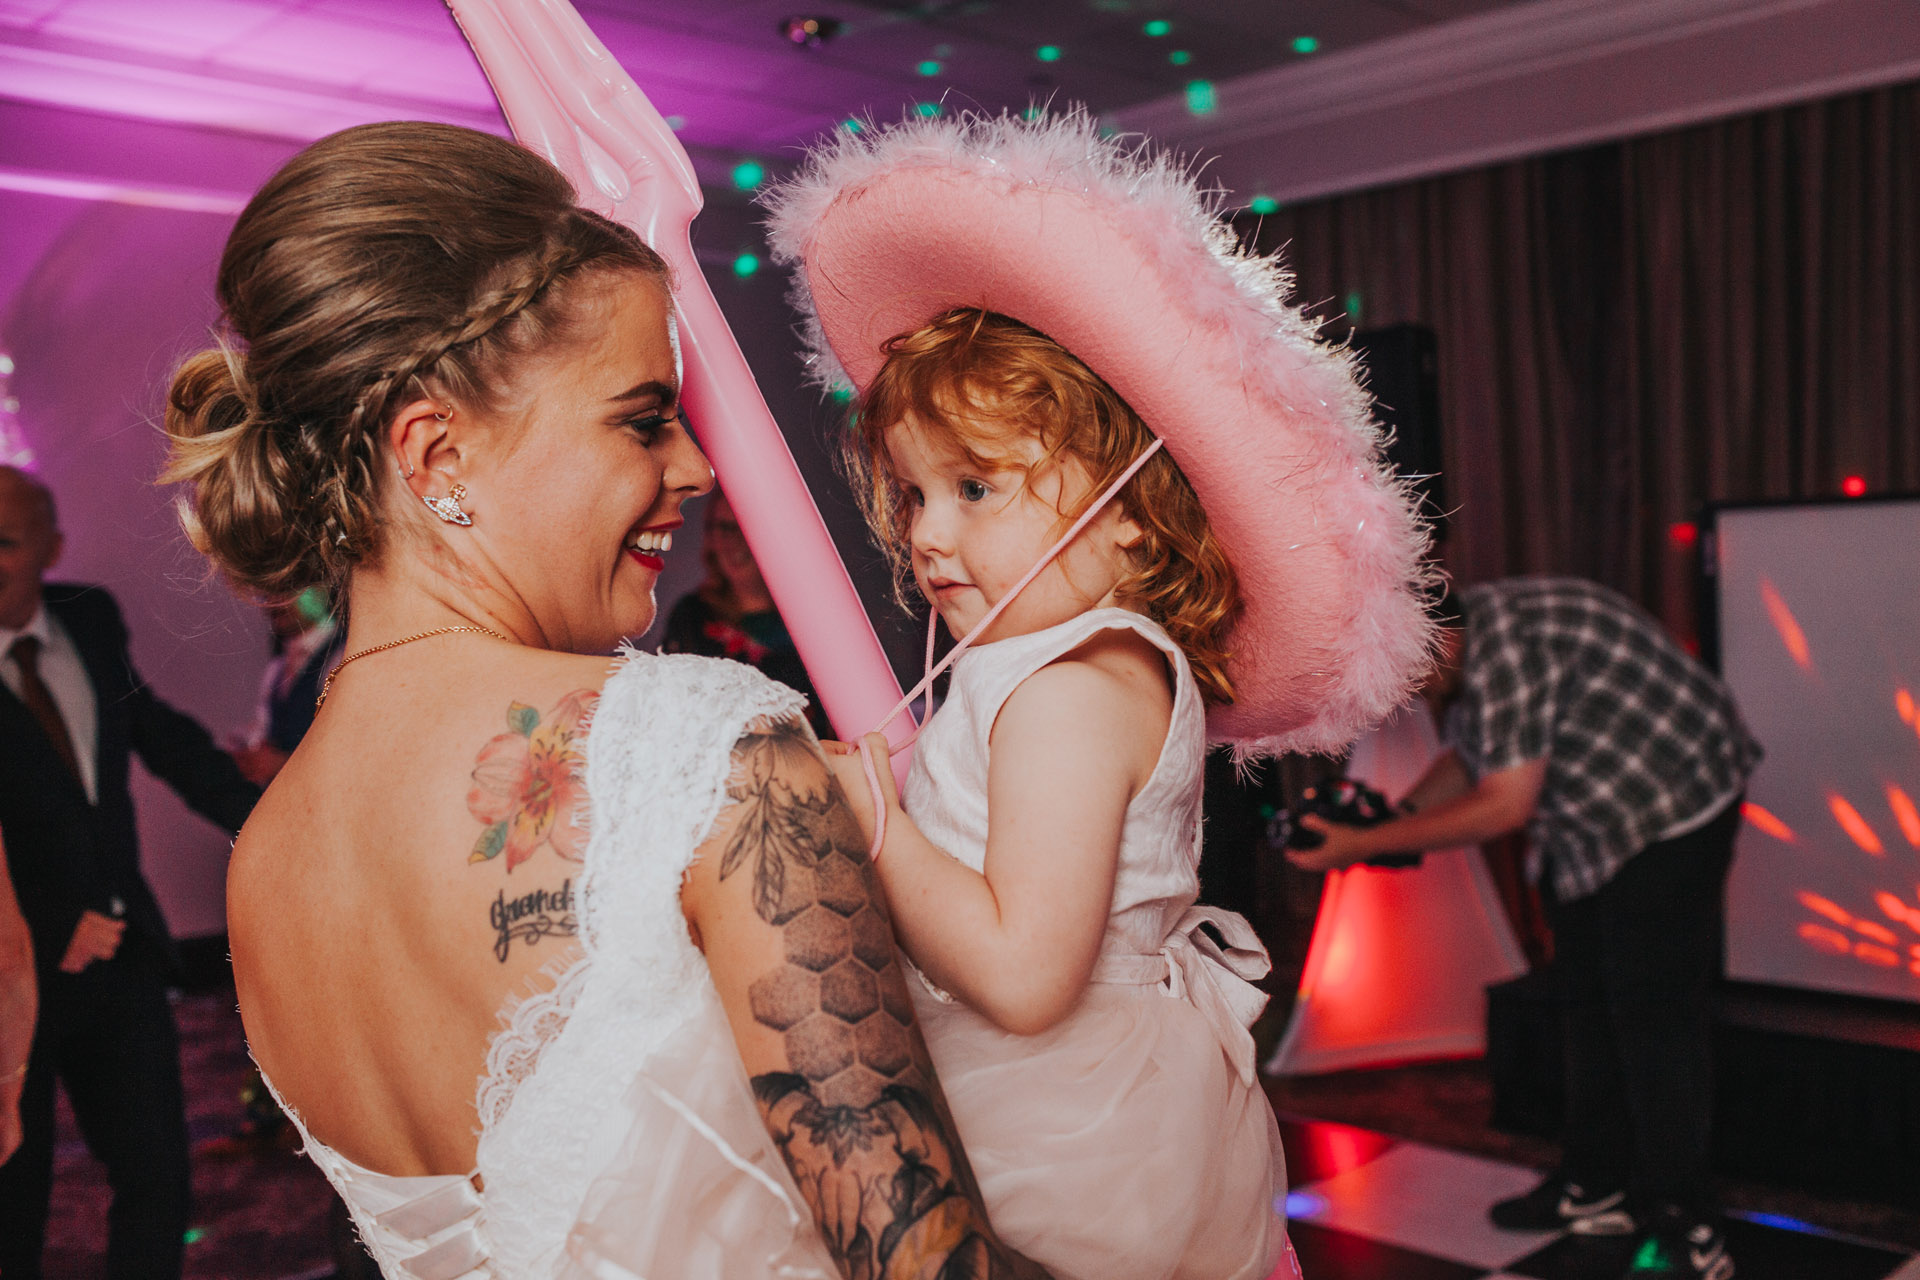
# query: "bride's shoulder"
{"type": "Point", "coordinates": [707, 695]}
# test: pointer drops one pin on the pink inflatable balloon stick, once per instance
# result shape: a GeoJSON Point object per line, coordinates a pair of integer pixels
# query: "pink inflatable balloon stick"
{"type": "Point", "coordinates": [568, 100]}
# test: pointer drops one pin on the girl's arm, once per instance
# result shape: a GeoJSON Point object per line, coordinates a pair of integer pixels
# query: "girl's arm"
{"type": "Point", "coordinates": [1072, 746]}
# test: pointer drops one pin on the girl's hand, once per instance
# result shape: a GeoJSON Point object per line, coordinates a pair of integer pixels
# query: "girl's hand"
{"type": "Point", "coordinates": [843, 758]}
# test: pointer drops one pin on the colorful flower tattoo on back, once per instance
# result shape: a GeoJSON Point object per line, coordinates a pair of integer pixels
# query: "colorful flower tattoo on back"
{"type": "Point", "coordinates": [528, 792]}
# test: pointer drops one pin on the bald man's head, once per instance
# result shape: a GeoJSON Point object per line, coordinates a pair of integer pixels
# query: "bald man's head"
{"type": "Point", "coordinates": [29, 544]}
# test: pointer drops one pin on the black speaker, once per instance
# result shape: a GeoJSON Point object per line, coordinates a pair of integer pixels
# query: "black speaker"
{"type": "Point", "coordinates": [1402, 362]}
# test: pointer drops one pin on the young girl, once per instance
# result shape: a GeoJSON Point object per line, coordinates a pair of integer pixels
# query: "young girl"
{"type": "Point", "coordinates": [1044, 869]}
{"type": "Point", "coordinates": [1042, 874]}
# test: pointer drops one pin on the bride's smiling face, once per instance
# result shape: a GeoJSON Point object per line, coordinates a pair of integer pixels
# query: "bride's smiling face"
{"type": "Point", "coordinates": [576, 499]}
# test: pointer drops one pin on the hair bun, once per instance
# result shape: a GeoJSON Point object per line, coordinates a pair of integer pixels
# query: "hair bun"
{"type": "Point", "coordinates": [240, 513]}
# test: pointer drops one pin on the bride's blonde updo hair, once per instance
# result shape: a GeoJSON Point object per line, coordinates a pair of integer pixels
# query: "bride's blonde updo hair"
{"type": "Point", "coordinates": [383, 263]}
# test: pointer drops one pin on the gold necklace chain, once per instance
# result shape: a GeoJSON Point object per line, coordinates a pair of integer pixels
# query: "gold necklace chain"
{"type": "Point", "coordinates": [327, 686]}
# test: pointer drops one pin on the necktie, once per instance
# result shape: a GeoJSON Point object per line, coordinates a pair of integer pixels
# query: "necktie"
{"type": "Point", "coordinates": [39, 700]}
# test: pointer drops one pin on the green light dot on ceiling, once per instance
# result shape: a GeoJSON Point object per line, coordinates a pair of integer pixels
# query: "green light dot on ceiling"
{"type": "Point", "coordinates": [1263, 205]}
{"type": "Point", "coordinates": [842, 394]}
{"type": "Point", "coordinates": [676, 123]}
{"type": "Point", "coordinates": [929, 68]}
{"type": "Point", "coordinates": [853, 125]}
{"type": "Point", "coordinates": [1158, 27]}
{"type": "Point", "coordinates": [1048, 53]}
{"type": "Point", "coordinates": [929, 109]}
{"type": "Point", "coordinates": [1201, 99]}
{"type": "Point", "coordinates": [749, 174]}
{"type": "Point", "coordinates": [746, 264]}
{"type": "Point", "coordinates": [1305, 44]}
{"type": "Point", "coordinates": [1033, 112]}
{"type": "Point", "coordinates": [1353, 306]}
{"type": "Point", "coordinates": [194, 1235]}
{"type": "Point", "coordinates": [1180, 57]}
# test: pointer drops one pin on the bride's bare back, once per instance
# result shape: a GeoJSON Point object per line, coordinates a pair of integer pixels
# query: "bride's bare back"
{"type": "Point", "coordinates": [413, 869]}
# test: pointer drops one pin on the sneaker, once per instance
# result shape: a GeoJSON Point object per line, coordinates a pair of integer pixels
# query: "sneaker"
{"type": "Point", "coordinates": [1561, 1204]}
{"type": "Point", "coordinates": [1695, 1251]}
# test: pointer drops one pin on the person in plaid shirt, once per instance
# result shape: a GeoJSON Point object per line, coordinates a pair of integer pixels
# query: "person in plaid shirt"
{"type": "Point", "coordinates": [1569, 712]}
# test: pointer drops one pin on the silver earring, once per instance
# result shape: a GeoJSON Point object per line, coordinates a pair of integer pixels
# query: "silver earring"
{"type": "Point", "coordinates": [448, 508]}
{"type": "Point", "coordinates": [444, 417]}
{"type": "Point", "coordinates": [408, 473]}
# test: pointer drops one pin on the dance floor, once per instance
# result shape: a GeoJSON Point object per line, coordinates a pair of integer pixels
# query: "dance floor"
{"type": "Point", "coordinates": [1365, 1206]}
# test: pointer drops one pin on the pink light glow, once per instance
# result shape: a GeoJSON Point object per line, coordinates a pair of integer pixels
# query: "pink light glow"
{"type": "Point", "coordinates": [1761, 820]}
{"type": "Point", "coordinates": [1878, 932]}
{"type": "Point", "coordinates": [1894, 909]}
{"type": "Point", "coordinates": [1885, 957]}
{"type": "Point", "coordinates": [1854, 825]}
{"type": "Point", "coordinates": [1824, 907]}
{"type": "Point", "coordinates": [1903, 705]}
{"type": "Point", "coordinates": [1821, 938]}
{"type": "Point", "coordinates": [1787, 625]}
{"type": "Point", "coordinates": [1905, 814]}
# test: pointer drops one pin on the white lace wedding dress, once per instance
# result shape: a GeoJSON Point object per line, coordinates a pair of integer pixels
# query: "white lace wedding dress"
{"type": "Point", "coordinates": [619, 1139]}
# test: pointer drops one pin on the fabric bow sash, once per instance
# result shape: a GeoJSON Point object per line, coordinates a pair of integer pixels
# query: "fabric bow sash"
{"type": "Point", "coordinates": [1216, 980]}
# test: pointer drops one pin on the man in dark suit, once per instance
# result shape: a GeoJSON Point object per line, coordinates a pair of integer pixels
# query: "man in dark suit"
{"type": "Point", "coordinates": [72, 711]}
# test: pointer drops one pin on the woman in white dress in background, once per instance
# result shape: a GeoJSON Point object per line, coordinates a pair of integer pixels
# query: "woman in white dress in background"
{"type": "Point", "coordinates": [563, 965]}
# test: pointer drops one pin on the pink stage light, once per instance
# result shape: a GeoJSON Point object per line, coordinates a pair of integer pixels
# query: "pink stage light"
{"type": "Point", "coordinates": [1854, 825]}
{"type": "Point", "coordinates": [1822, 938]}
{"type": "Point", "coordinates": [1761, 820]}
{"type": "Point", "coordinates": [1825, 907]}
{"type": "Point", "coordinates": [1787, 625]}
{"type": "Point", "coordinates": [1894, 909]}
{"type": "Point", "coordinates": [1905, 814]}
{"type": "Point", "coordinates": [1878, 932]}
{"type": "Point", "coordinates": [1884, 957]}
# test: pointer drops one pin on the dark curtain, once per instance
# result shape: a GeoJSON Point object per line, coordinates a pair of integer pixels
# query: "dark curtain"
{"type": "Point", "coordinates": [1627, 332]}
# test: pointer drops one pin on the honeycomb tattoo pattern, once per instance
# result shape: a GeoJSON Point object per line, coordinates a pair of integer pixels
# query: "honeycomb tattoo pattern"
{"type": "Point", "coordinates": [838, 946]}
{"type": "Point", "coordinates": [839, 1001]}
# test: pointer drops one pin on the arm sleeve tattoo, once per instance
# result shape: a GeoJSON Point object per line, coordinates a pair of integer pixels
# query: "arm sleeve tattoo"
{"type": "Point", "coordinates": [857, 1115]}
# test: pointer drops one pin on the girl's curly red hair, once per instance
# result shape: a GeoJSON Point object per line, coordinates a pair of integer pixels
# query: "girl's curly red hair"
{"type": "Point", "coordinates": [968, 367]}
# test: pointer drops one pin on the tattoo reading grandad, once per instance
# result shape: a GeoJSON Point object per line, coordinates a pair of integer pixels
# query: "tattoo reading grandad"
{"type": "Point", "coordinates": [544, 913]}
{"type": "Point", "coordinates": [854, 1117]}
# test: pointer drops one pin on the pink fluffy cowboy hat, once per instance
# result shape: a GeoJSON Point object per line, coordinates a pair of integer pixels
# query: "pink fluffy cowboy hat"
{"type": "Point", "coordinates": [1115, 252]}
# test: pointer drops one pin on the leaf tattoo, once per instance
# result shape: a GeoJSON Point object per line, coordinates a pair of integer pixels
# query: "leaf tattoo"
{"type": "Point", "coordinates": [777, 821]}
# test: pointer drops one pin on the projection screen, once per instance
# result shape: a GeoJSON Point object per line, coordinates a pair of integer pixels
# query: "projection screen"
{"type": "Point", "coordinates": [1818, 612]}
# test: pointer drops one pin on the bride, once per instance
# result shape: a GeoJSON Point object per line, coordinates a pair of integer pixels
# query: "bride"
{"type": "Point", "coordinates": [563, 966]}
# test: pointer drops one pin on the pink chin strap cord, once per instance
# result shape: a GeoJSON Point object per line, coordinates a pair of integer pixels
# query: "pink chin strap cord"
{"type": "Point", "coordinates": [867, 762]}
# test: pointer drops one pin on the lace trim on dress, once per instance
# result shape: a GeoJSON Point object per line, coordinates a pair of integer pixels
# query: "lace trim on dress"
{"type": "Point", "coordinates": [553, 1116]}
{"type": "Point", "coordinates": [528, 1024]}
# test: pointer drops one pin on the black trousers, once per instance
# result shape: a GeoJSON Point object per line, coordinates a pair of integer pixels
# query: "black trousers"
{"type": "Point", "coordinates": [1636, 964]}
{"type": "Point", "coordinates": [108, 1035]}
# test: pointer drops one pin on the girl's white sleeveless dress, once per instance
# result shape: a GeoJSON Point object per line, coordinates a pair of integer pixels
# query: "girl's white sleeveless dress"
{"type": "Point", "coordinates": [1131, 1141]}
{"type": "Point", "coordinates": [619, 1139]}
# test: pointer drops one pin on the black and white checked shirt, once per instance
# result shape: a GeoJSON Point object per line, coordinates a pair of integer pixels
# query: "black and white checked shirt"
{"type": "Point", "coordinates": [1642, 743]}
